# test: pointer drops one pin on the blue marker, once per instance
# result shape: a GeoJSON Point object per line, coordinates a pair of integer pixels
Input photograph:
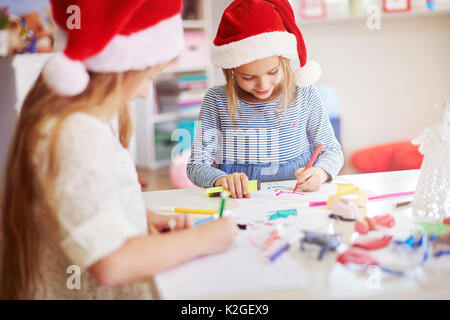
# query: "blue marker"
{"type": "Point", "coordinates": [199, 222]}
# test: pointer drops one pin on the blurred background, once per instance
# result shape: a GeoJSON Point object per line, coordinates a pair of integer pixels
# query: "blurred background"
{"type": "Point", "coordinates": [385, 64]}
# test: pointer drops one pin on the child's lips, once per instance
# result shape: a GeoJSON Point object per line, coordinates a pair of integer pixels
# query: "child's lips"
{"type": "Point", "coordinates": [262, 92]}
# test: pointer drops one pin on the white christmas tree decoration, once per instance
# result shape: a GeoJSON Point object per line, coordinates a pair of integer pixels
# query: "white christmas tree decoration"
{"type": "Point", "coordinates": [432, 196]}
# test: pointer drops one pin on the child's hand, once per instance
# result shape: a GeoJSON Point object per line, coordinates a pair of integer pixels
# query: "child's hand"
{"type": "Point", "coordinates": [165, 222]}
{"type": "Point", "coordinates": [310, 179]}
{"type": "Point", "coordinates": [236, 183]}
{"type": "Point", "coordinates": [217, 235]}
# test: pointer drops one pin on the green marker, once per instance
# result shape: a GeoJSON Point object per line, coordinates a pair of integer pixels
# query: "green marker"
{"type": "Point", "coordinates": [224, 195]}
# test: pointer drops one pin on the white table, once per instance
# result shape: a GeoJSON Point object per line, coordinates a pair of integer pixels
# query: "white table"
{"type": "Point", "coordinates": [328, 279]}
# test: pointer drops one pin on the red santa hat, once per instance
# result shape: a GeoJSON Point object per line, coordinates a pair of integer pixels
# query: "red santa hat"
{"type": "Point", "coordinates": [251, 30]}
{"type": "Point", "coordinates": [111, 36]}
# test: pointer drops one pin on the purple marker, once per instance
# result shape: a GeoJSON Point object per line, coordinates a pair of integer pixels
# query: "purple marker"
{"type": "Point", "coordinates": [279, 252]}
{"type": "Point", "coordinates": [284, 248]}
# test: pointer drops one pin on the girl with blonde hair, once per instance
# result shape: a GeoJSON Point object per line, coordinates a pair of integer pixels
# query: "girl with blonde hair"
{"type": "Point", "coordinates": [72, 203]}
{"type": "Point", "coordinates": [268, 119]}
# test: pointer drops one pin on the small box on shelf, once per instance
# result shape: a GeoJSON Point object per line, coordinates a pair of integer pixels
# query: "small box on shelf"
{"type": "Point", "coordinates": [179, 93]}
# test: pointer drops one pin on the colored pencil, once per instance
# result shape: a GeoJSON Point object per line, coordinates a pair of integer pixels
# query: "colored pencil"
{"type": "Point", "coordinates": [185, 210]}
{"type": "Point", "coordinates": [284, 248]}
{"type": "Point", "coordinates": [199, 222]}
{"type": "Point", "coordinates": [311, 161]}
{"type": "Point", "coordinates": [224, 196]}
{"type": "Point", "coordinates": [381, 196]}
{"type": "Point", "coordinates": [273, 236]}
{"type": "Point", "coordinates": [402, 204]}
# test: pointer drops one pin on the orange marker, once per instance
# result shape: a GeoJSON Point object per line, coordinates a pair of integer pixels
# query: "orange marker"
{"type": "Point", "coordinates": [311, 161]}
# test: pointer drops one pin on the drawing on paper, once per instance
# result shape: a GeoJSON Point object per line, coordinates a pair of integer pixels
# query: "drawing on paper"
{"type": "Point", "coordinates": [284, 190]}
{"type": "Point", "coordinates": [283, 214]}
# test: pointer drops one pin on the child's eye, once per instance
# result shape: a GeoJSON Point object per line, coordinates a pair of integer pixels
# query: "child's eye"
{"type": "Point", "coordinates": [247, 78]}
{"type": "Point", "coordinates": [273, 72]}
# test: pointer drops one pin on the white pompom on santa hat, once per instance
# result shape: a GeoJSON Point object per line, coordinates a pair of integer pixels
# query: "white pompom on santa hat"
{"type": "Point", "coordinates": [251, 30]}
{"type": "Point", "coordinates": [113, 36]}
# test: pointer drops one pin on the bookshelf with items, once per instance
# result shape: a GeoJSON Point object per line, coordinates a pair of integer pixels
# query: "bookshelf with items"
{"type": "Point", "coordinates": [177, 92]}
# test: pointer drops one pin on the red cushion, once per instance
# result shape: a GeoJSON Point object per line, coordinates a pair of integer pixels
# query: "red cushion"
{"type": "Point", "coordinates": [387, 157]}
{"type": "Point", "coordinates": [407, 157]}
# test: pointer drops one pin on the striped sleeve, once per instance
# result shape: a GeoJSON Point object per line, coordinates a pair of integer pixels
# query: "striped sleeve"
{"type": "Point", "coordinates": [319, 130]}
{"type": "Point", "coordinates": [200, 168]}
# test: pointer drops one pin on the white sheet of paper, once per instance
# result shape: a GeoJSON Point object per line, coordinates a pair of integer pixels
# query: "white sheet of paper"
{"type": "Point", "coordinates": [245, 268]}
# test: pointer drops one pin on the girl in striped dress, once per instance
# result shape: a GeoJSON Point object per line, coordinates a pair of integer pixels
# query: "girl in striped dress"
{"type": "Point", "coordinates": [268, 119]}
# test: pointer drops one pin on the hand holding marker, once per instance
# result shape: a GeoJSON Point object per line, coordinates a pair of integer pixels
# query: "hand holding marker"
{"type": "Point", "coordinates": [224, 195]}
{"type": "Point", "coordinates": [311, 161]}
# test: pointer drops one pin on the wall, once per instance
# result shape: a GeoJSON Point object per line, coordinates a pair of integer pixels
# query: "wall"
{"type": "Point", "coordinates": [389, 79]}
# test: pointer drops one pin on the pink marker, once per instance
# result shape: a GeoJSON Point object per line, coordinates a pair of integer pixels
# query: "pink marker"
{"type": "Point", "coordinates": [275, 235]}
{"type": "Point", "coordinates": [381, 196]}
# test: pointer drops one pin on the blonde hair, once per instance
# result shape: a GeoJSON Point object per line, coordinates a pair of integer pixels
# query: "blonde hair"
{"type": "Point", "coordinates": [28, 200]}
{"type": "Point", "coordinates": [287, 84]}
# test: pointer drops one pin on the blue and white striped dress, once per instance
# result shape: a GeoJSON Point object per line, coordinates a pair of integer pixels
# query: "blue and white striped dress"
{"type": "Point", "coordinates": [267, 144]}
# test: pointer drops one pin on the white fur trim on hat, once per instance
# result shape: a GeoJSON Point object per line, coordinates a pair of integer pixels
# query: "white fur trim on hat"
{"type": "Point", "coordinates": [261, 46]}
{"type": "Point", "coordinates": [308, 74]}
{"type": "Point", "coordinates": [157, 44]}
{"type": "Point", "coordinates": [149, 47]}
{"type": "Point", "coordinates": [65, 76]}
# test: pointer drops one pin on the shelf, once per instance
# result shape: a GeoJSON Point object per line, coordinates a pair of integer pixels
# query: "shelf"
{"type": "Point", "coordinates": [176, 69]}
{"type": "Point", "coordinates": [173, 116]}
{"type": "Point", "coordinates": [194, 60]}
{"type": "Point", "coordinates": [417, 13]}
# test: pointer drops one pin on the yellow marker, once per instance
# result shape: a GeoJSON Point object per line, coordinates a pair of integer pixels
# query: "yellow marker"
{"type": "Point", "coordinates": [186, 210]}
{"type": "Point", "coordinates": [253, 185]}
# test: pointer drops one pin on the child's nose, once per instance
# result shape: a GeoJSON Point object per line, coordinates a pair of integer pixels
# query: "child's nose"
{"type": "Point", "coordinates": [263, 84]}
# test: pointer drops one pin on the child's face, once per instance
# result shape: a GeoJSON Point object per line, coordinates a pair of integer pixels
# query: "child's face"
{"type": "Point", "coordinates": [261, 77]}
{"type": "Point", "coordinates": [143, 90]}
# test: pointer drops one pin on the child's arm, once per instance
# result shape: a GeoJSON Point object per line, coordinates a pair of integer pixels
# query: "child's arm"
{"type": "Point", "coordinates": [101, 215]}
{"type": "Point", "coordinates": [200, 168]}
{"type": "Point", "coordinates": [319, 130]}
{"type": "Point", "coordinates": [144, 256]}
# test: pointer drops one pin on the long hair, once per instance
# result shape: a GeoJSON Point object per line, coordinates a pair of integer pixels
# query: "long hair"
{"type": "Point", "coordinates": [287, 90]}
{"type": "Point", "coordinates": [27, 199]}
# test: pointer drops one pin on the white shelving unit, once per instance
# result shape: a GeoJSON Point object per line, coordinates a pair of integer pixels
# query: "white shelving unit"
{"type": "Point", "coordinates": [414, 13]}
{"type": "Point", "coordinates": [18, 74]}
{"type": "Point", "coordinates": [147, 119]}
{"type": "Point", "coordinates": [340, 11]}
